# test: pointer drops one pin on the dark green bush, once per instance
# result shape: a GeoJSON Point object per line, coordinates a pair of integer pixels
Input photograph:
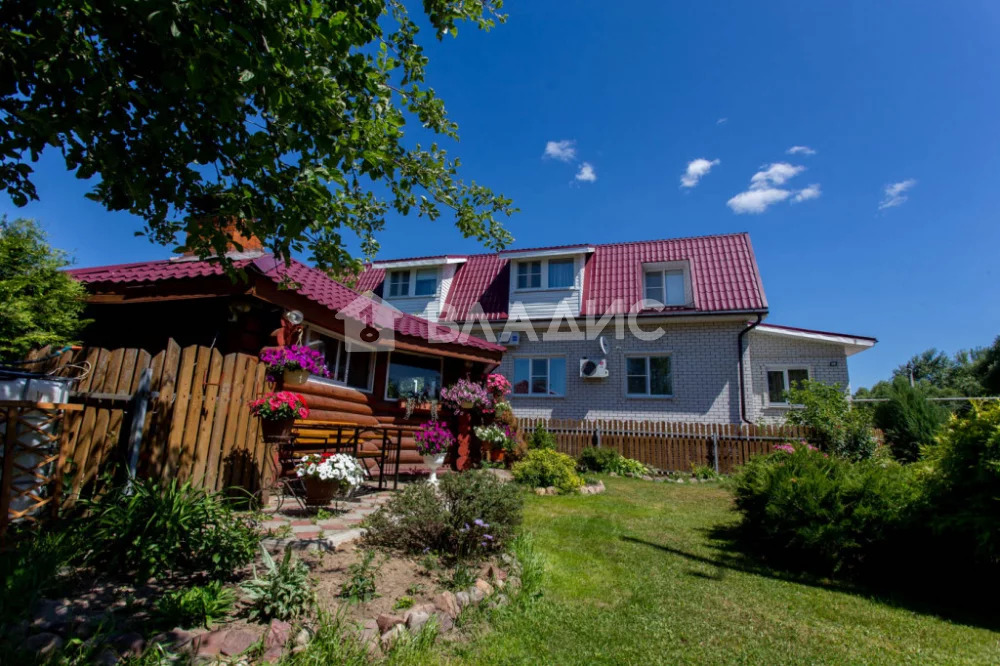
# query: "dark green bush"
{"type": "Point", "coordinates": [596, 459]}
{"type": "Point", "coordinates": [29, 570]}
{"type": "Point", "coordinates": [964, 490]}
{"type": "Point", "coordinates": [909, 420]}
{"type": "Point", "coordinates": [541, 438]}
{"type": "Point", "coordinates": [471, 513]}
{"type": "Point", "coordinates": [544, 468]}
{"type": "Point", "coordinates": [837, 428]}
{"type": "Point", "coordinates": [824, 513]}
{"type": "Point", "coordinates": [177, 528]}
{"type": "Point", "coordinates": [283, 591]}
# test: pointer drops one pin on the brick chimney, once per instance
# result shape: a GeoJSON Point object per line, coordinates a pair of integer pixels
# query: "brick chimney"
{"type": "Point", "coordinates": [250, 244]}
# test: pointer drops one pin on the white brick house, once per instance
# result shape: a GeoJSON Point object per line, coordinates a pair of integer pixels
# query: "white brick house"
{"type": "Point", "coordinates": [653, 330]}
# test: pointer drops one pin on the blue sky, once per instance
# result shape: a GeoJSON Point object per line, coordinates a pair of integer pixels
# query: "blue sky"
{"type": "Point", "coordinates": [883, 93]}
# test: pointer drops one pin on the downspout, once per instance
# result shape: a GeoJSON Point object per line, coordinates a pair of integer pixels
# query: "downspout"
{"type": "Point", "coordinates": [739, 344]}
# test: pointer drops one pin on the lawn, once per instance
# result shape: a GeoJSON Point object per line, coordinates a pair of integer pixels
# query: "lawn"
{"type": "Point", "coordinates": [637, 576]}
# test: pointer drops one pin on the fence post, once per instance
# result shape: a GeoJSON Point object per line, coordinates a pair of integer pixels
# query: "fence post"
{"type": "Point", "coordinates": [137, 413]}
{"type": "Point", "coordinates": [715, 450]}
{"type": "Point", "coordinates": [597, 436]}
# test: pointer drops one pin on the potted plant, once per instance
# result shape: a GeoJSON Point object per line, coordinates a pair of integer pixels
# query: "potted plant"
{"type": "Point", "coordinates": [498, 386]}
{"type": "Point", "coordinates": [500, 438]}
{"type": "Point", "coordinates": [466, 395]}
{"type": "Point", "coordinates": [329, 475]}
{"type": "Point", "coordinates": [434, 439]}
{"type": "Point", "coordinates": [277, 413]}
{"type": "Point", "coordinates": [294, 364]}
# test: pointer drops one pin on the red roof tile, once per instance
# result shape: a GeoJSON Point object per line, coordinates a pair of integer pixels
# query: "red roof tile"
{"type": "Point", "coordinates": [311, 283]}
{"type": "Point", "coordinates": [724, 277]}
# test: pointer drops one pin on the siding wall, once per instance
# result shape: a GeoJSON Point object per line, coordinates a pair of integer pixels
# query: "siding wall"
{"type": "Point", "coordinates": [704, 372]}
{"type": "Point", "coordinates": [428, 307]}
{"type": "Point", "coordinates": [827, 363]}
{"type": "Point", "coordinates": [545, 303]}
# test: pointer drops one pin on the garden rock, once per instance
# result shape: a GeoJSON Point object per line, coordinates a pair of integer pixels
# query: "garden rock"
{"type": "Point", "coordinates": [50, 613]}
{"type": "Point", "coordinates": [416, 619]}
{"type": "Point", "coordinates": [387, 621]}
{"type": "Point", "coordinates": [304, 636]}
{"type": "Point", "coordinates": [43, 644]}
{"type": "Point", "coordinates": [539, 491]}
{"type": "Point", "coordinates": [445, 621]}
{"type": "Point", "coordinates": [447, 604]}
{"type": "Point", "coordinates": [237, 641]}
{"type": "Point", "coordinates": [492, 572]}
{"type": "Point", "coordinates": [551, 490]}
{"type": "Point", "coordinates": [131, 643]}
{"type": "Point", "coordinates": [475, 595]}
{"type": "Point", "coordinates": [484, 587]}
{"type": "Point", "coordinates": [277, 634]}
{"type": "Point", "coordinates": [463, 598]}
{"type": "Point", "coordinates": [391, 636]}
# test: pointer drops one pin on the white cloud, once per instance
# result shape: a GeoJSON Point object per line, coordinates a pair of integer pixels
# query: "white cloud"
{"type": "Point", "coordinates": [807, 193]}
{"type": "Point", "coordinates": [721, 121]}
{"type": "Point", "coordinates": [800, 150]}
{"type": "Point", "coordinates": [757, 201]}
{"type": "Point", "coordinates": [894, 194]}
{"type": "Point", "coordinates": [775, 174]}
{"type": "Point", "coordinates": [765, 189]}
{"type": "Point", "coordinates": [586, 173]}
{"type": "Point", "coordinates": [695, 170]}
{"type": "Point", "coordinates": [564, 151]}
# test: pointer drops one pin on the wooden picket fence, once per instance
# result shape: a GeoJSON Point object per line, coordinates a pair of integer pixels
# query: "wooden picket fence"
{"type": "Point", "coordinates": [197, 426]}
{"type": "Point", "coordinates": [669, 445]}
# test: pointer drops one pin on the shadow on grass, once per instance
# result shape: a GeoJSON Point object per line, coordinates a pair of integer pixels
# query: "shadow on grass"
{"type": "Point", "coordinates": [919, 593]}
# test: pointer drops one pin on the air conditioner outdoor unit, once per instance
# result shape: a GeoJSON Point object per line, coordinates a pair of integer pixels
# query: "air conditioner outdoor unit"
{"type": "Point", "coordinates": [510, 338]}
{"type": "Point", "coordinates": [593, 369]}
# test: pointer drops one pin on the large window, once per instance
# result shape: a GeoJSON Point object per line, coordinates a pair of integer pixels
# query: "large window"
{"type": "Point", "coordinates": [780, 380]}
{"type": "Point", "coordinates": [424, 282]}
{"type": "Point", "coordinates": [561, 273]}
{"type": "Point", "coordinates": [529, 275]}
{"type": "Point", "coordinates": [348, 363]}
{"type": "Point", "coordinates": [413, 375]}
{"type": "Point", "coordinates": [665, 286]}
{"type": "Point", "coordinates": [540, 376]}
{"type": "Point", "coordinates": [648, 376]}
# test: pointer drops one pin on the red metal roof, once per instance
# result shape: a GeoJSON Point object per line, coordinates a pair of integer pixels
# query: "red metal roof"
{"type": "Point", "coordinates": [724, 277]}
{"type": "Point", "coordinates": [314, 284]}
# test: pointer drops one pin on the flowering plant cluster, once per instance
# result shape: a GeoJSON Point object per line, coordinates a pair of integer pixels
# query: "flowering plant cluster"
{"type": "Point", "coordinates": [466, 394]}
{"type": "Point", "coordinates": [497, 435]}
{"type": "Point", "coordinates": [477, 532]}
{"type": "Point", "coordinates": [433, 438]}
{"type": "Point", "coordinates": [280, 406]}
{"type": "Point", "coordinates": [498, 385]}
{"type": "Point", "coordinates": [792, 448]}
{"type": "Point", "coordinates": [296, 357]}
{"type": "Point", "coordinates": [338, 467]}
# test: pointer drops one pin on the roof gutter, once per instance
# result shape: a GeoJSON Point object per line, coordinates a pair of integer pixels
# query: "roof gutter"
{"type": "Point", "coordinates": [739, 345]}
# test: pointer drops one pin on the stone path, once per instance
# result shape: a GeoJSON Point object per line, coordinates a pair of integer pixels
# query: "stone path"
{"type": "Point", "coordinates": [320, 528]}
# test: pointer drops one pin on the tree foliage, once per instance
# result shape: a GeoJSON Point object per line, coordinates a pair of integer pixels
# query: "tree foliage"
{"type": "Point", "coordinates": [837, 428]}
{"type": "Point", "coordinates": [909, 420]}
{"type": "Point", "coordinates": [39, 304]}
{"type": "Point", "coordinates": [287, 117]}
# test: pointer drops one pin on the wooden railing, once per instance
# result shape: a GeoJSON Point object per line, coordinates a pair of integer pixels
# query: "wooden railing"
{"type": "Point", "coordinates": [669, 445]}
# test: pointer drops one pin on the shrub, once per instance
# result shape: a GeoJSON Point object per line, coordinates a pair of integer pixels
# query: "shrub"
{"type": "Point", "coordinates": [596, 459]}
{"type": "Point", "coordinates": [455, 519]}
{"type": "Point", "coordinates": [360, 585]}
{"type": "Point", "coordinates": [964, 491]}
{"type": "Point", "coordinates": [703, 472]}
{"type": "Point", "coordinates": [283, 592]}
{"type": "Point", "coordinates": [628, 467]}
{"type": "Point", "coordinates": [909, 420]}
{"type": "Point", "coordinates": [541, 438]}
{"type": "Point", "coordinates": [29, 570]}
{"type": "Point", "coordinates": [176, 528]}
{"type": "Point", "coordinates": [195, 606]}
{"type": "Point", "coordinates": [837, 428]}
{"type": "Point", "coordinates": [544, 467]}
{"type": "Point", "coordinates": [825, 513]}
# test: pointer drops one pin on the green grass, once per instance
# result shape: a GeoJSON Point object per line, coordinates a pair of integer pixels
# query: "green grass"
{"type": "Point", "coordinates": [637, 576]}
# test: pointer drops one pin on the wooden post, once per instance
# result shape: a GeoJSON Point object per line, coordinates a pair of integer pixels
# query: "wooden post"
{"type": "Point", "coordinates": [464, 440]}
{"type": "Point", "coordinates": [137, 419]}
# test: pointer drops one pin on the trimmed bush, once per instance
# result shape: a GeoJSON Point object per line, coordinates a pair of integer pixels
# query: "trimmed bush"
{"type": "Point", "coordinates": [470, 514]}
{"type": "Point", "coordinates": [596, 459]}
{"type": "Point", "coordinates": [544, 467]}
{"type": "Point", "coordinates": [824, 513]}
{"type": "Point", "coordinates": [540, 438]}
{"type": "Point", "coordinates": [910, 421]}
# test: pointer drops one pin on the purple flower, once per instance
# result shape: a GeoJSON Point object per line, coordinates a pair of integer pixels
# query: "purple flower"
{"type": "Point", "coordinates": [480, 522]}
{"type": "Point", "coordinates": [433, 438]}
{"type": "Point", "coordinates": [488, 537]}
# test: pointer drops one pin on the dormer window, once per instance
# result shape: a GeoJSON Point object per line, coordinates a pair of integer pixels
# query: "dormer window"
{"type": "Point", "coordinates": [666, 284]}
{"type": "Point", "coordinates": [424, 282]}
{"type": "Point", "coordinates": [545, 274]}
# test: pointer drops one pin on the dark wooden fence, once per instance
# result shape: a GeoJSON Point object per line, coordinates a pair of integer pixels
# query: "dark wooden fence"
{"type": "Point", "coordinates": [669, 445]}
{"type": "Point", "coordinates": [197, 426]}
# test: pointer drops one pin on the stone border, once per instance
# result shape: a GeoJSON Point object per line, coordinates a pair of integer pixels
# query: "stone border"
{"type": "Point", "coordinates": [589, 489]}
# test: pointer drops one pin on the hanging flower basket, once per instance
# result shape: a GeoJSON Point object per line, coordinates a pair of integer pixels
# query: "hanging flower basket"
{"type": "Point", "coordinates": [291, 377]}
{"type": "Point", "coordinates": [277, 413]}
{"type": "Point", "coordinates": [294, 364]}
{"type": "Point", "coordinates": [466, 395]}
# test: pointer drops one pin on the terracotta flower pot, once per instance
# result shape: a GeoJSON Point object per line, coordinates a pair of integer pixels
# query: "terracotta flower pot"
{"type": "Point", "coordinates": [276, 430]}
{"type": "Point", "coordinates": [467, 404]}
{"type": "Point", "coordinates": [295, 377]}
{"type": "Point", "coordinates": [319, 491]}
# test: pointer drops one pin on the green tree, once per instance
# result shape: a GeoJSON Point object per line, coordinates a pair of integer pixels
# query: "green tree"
{"type": "Point", "coordinates": [987, 368]}
{"type": "Point", "coordinates": [287, 117]}
{"type": "Point", "coordinates": [39, 304]}
{"type": "Point", "coordinates": [836, 427]}
{"type": "Point", "coordinates": [909, 420]}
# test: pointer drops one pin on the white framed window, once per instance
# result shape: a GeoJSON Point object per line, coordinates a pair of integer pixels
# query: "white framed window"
{"type": "Point", "coordinates": [665, 285]}
{"type": "Point", "coordinates": [545, 274]}
{"type": "Point", "coordinates": [349, 363]}
{"type": "Point", "coordinates": [413, 375]}
{"type": "Point", "coordinates": [540, 376]}
{"type": "Point", "coordinates": [416, 282]}
{"type": "Point", "coordinates": [648, 376]}
{"type": "Point", "coordinates": [782, 378]}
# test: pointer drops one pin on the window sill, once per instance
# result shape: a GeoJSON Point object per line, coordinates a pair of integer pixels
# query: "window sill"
{"type": "Point", "coordinates": [536, 395]}
{"type": "Point", "coordinates": [531, 290]}
{"type": "Point", "coordinates": [411, 298]}
{"type": "Point", "coordinates": [644, 396]}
